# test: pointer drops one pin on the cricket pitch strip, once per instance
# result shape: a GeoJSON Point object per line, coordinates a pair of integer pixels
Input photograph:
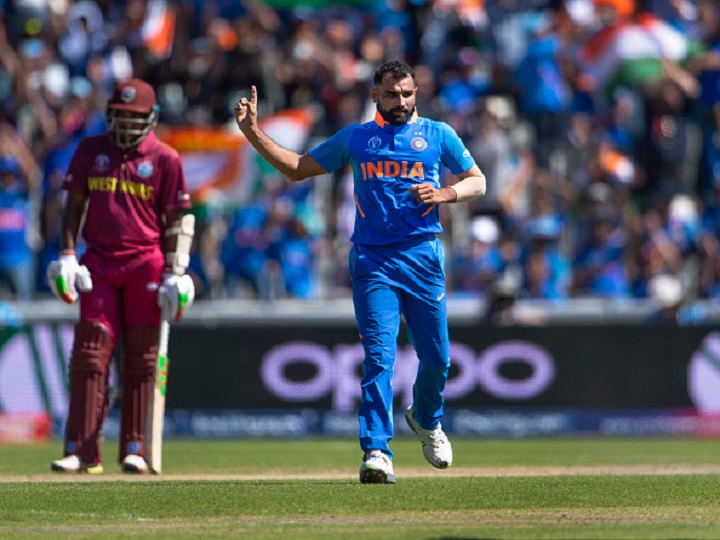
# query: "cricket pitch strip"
{"type": "Point", "coordinates": [401, 472]}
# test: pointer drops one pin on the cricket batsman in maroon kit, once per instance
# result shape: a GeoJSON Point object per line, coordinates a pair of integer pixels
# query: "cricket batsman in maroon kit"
{"type": "Point", "coordinates": [132, 190]}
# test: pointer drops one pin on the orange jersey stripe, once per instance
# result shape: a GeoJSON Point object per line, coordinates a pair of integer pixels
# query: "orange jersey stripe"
{"type": "Point", "coordinates": [357, 203]}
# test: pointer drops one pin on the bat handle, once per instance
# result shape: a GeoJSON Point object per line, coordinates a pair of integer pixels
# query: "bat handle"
{"type": "Point", "coordinates": [164, 337]}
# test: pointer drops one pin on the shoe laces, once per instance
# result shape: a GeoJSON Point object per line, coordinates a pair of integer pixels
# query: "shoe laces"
{"type": "Point", "coordinates": [436, 437]}
{"type": "Point", "coordinates": [377, 454]}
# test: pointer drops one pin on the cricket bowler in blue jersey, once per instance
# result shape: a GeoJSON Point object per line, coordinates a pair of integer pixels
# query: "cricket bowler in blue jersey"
{"type": "Point", "coordinates": [397, 261]}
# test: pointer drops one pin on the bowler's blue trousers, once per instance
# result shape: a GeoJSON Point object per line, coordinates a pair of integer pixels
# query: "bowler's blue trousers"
{"type": "Point", "coordinates": [407, 279]}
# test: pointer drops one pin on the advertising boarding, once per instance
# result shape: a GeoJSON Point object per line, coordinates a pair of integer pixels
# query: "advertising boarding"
{"type": "Point", "coordinates": [258, 380]}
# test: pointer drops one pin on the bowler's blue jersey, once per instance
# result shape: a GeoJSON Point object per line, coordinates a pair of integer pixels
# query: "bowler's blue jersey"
{"type": "Point", "coordinates": [386, 161]}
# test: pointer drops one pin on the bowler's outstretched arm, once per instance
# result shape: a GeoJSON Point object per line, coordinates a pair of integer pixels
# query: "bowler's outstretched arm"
{"type": "Point", "coordinates": [293, 165]}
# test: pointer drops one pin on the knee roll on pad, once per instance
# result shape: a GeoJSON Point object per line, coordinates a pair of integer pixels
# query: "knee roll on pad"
{"type": "Point", "coordinates": [92, 348]}
{"type": "Point", "coordinates": [141, 348]}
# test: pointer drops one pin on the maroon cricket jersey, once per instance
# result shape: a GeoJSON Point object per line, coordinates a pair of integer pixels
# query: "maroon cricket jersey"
{"type": "Point", "coordinates": [128, 193]}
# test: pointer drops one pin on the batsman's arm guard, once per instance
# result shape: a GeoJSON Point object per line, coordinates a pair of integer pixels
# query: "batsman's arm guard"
{"type": "Point", "coordinates": [178, 259]}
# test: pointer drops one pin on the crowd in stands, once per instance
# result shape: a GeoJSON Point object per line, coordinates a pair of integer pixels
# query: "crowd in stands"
{"type": "Point", "coordinates": [596, 122]}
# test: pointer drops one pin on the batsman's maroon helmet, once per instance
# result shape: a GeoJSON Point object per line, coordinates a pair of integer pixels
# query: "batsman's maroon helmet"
{"type": "Point", "coordinates": [135, 96]}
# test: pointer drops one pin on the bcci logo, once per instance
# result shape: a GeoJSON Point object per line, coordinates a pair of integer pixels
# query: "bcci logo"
{"type": "Point", "coordinates": [145, 169]}
{"type": "Point", "coordinates": [102, 162]}
{"type": "Point", "coordinates": [128, 94]}
{"type": "Point", "coordinates": [418, 144]}
{"type": "Point", "coordinates": [374, 145]}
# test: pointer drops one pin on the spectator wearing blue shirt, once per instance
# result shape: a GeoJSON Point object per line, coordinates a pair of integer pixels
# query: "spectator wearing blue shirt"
{"type": "Point", "coordinates": [547, 271]}
{"type": "Point", "coordinates": [464, 83]}
{"type": "Point", "coordinates": [545, 275]}
{"type": "Point", "coordinates": [16, 258]}
{"type": "Point", "coordinates": [710, 160]}
{"type": "Point", "coordinates": [295, 254]}
{"type": "Point", "coordinates": [599, 266]}
{"type": "Point", "coordinates": [622, 126]}
{"type": "Point", "coordinates": [476, 268]}
{"type": "Point", "coordinates": [705, 64]}
{"type": "Point", "coordinates": [543, 94]}
{"type": "Point", "coordinates": [708, 244]}
{"type": "Point", "coordinates": [710, 177]}
{"type": "Point", "coordinates": [658, 253]}
{"type": "Point", "coordinates": [244, 252]}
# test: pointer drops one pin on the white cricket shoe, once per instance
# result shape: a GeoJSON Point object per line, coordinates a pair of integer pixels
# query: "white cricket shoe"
{"type": "Point", "coordinates": [435, 444]}
{"type": "Point", "coordinates": [72, 464]}
{"type": "Point", "coordinates": [134, 464]}
{"type": "Point", "coordinates": [377, 468]}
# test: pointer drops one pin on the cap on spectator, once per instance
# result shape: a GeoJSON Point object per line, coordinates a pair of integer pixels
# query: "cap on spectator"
{"type": "Point", "coordinates": [682, 208]}
{"type": "Point", "coordinates": [133, 95]}
{"type": "Point", "coordinates": [80, 87]}
{"type": "Point", "coordinates": [10, 165]}
{"type": "Point", "coordinates": [500, 108]}
{"type": "Point", "coordinates": [32, 48]}
{"type": "Point", "coordinates": [666, 290]}
{"type": "Point", "coordinates": [485, 230]}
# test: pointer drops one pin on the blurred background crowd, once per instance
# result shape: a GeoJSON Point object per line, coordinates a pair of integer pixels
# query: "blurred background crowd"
{"type": "Point", "coordinates": [596, 123]}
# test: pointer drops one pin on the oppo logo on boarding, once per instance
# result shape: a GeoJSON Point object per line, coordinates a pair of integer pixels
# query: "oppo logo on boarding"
{"type": "Point", "coordinates": [336, 372]}
{"type": "Point", "coordinates": [704, 375]}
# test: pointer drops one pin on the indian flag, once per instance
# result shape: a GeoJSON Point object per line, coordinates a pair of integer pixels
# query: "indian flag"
{"type": "Point", "coordinates": [218, 160]}
{"type": "Point", "coordinates": [630, 53]}
{"type": "Point", "coordinates": [158, 30]}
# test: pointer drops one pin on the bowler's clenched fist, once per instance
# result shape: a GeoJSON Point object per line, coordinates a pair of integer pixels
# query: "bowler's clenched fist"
{"type": "Point", "coordinates": [427, 194]}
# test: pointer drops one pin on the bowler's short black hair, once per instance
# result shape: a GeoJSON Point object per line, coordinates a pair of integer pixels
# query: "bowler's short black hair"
{"type": "Point", "coordinates": [398, 69]}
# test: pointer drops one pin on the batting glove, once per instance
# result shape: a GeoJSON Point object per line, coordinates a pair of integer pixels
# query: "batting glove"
{"type": "Point", "coordinates": [65, 276]}
{"type": "Point", "coordinates": [175, 295]}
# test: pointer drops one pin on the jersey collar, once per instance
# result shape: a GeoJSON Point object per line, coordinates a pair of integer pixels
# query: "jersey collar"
{"type": "Point", "coordinates": [147, 143]}
{"type": "Point", "coordinates": [380, 121]}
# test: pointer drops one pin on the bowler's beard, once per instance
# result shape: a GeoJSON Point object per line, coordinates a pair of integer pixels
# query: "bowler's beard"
{"type": "Point", "coordinates": [395, 119]}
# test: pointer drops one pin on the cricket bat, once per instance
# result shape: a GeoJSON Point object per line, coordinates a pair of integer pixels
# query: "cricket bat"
{"type": "Point", "coordinates": [156, 410]}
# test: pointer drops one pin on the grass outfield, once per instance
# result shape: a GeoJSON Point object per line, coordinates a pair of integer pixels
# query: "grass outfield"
{"type": "Point", "coordinates": [524, 488]}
